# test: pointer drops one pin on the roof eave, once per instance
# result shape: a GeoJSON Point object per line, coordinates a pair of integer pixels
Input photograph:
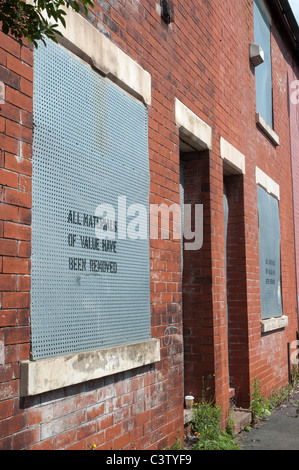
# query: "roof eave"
{"type": "Point", "coordinates": [285, 12]}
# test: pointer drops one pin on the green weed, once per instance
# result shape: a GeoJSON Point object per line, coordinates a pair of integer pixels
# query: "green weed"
{"type": "Point", "coordinates": [206, 425]}
{"type": "Point", "coordinates": [260, 407]}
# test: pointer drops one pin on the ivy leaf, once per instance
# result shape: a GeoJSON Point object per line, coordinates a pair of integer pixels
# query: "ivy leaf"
{"type": "Point", "coordinates": [33, 21]}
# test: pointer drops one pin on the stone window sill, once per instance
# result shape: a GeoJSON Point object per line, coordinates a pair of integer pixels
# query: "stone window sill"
{"type": "Point", "coordinates": [273, 324]}
{"type": "Point", "coordinates": [54, 373]}
{"type": "Point", "coordinates": [261, 123]}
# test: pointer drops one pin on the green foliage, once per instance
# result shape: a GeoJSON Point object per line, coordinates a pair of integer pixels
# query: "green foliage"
{"type": "Point", "coordinates": [37, 20]}
{"type": "Point", "coordinates": [259, 406]}
{"type": "Point", "coordinates": [278, 397]}
{"type": "Point", "coordinates": [177, 444]}
{"type": "Point", "coordinates": [295, 375]}
{"type": "Point", "coordinates": [222, 441]}
{"type": "Point", "coordinates": [230, 427]}
{"type": "Point", "coordinates": [206, 425]}
{"type": "Point", "coordinates": [206, 419]}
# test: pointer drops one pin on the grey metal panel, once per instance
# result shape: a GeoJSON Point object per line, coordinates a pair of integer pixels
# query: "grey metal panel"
{"type": "Point", "coordinates": [90, 147]}
{"type": "Point", "coordinates": [269, 249]}
{"type": "Point", "coordinates": [263, 73]}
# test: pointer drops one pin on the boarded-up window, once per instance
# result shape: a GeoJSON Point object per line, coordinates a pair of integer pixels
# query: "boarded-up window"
{"type": "Point", "coordinates": [269, 248]}
{"type": "Point", "coordinates": [263, 73]}
{"type": "Point", "coordinates": [90, 148]}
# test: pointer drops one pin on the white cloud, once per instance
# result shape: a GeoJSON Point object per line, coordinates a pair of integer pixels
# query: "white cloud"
{"type": "Point", "coordinates": [295, 7]}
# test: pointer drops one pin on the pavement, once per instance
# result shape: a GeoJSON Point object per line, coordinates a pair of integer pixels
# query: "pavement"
{"type": "Point", "coordinates": [280, 431]}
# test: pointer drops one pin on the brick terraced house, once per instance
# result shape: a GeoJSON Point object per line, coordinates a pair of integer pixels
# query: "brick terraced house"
{"type": "Point", "coordinates": [148, 219]}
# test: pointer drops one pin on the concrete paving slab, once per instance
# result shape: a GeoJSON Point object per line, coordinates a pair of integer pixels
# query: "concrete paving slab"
{"type": "Point", "coordinates": [279, 432]}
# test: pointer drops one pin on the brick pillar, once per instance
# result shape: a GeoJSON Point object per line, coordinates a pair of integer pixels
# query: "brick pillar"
{"type": "Point", "coordinates": [197, 281]}
{"type": "Point", "coordinates": [237, 291]}
{"type": "Point", "coordinates": [204, 293]}
{"type": "Point", "coordinates": [198, 315]}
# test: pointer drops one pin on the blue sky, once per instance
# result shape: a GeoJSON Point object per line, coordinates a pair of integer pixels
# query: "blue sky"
{"type": "Point", "coordinates": [295, 6]}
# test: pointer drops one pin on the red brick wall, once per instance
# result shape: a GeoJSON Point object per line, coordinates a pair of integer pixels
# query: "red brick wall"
{"type": "Point", "coordinates": [198, 321]}
{"type": "Point", "coordinates": [236, 290]}
{"type": "Point", "coordinates": [293, 76]}
{"type": "Point", "coordinates": [203, 60]}
{"type": "Point", "coordinates": [15, 233]}
{"type": "Point", "coordinates": [269, 354]}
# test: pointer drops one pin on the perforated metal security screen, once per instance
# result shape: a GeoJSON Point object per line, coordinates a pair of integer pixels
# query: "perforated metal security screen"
{"type": "Point", "coordinates": [90, 148]}
{"type": "Point", "coordinates": [269, 246]}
